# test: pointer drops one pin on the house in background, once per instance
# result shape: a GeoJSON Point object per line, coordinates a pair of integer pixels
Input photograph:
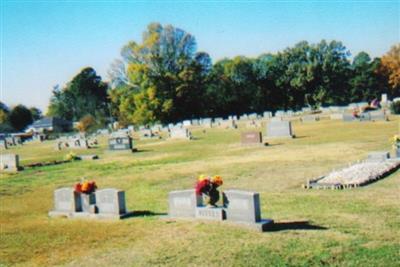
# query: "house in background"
{"type": "Point", "coordinates": [50, 124]}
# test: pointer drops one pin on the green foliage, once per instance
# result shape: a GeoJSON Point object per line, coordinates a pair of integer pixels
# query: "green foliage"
{"type": "Point", "coordinates": [395, 107]}
{"type": "Point", "coordinates": [160, 79]}
{"type": "Point", "coordinates": [20, 117]}
{"type": "Point", "coordinates": [36, 113]}
{"type": "Point", "coordinates": [85, 94]}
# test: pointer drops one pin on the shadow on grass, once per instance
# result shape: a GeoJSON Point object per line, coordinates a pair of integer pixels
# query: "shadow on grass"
{"type": "Point", "coordinates": [295, 225]}
{"type": "Point", "coordinates": [142, 150]}
{"type": "Point", "coordinates": [146, 213]}
{"type": "Point", "coordinates": [300, 136]}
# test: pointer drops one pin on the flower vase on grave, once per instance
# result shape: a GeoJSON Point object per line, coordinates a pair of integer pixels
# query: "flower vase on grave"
{"type": "Point", "coordinates": [88, 201]}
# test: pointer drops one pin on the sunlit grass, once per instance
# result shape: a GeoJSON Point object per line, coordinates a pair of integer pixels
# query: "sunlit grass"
{"type": "Point", "coordinates": [362, 225]}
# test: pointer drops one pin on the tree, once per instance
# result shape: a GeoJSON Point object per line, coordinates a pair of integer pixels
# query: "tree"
{"type": "Point", "coordinates": [161, 79]}
{"type": "Point", "coordinates": [390, 67]}
{"type": "Point", "coordinates": [85, 94]}
{"type": "Point", "coordinates": [86, 123]}
{"type": "Point", "coordinates": [20, 117]}
{"type": "Point", "coordinates": [36, 113]}
{"type": "Point", "coordinates": [364, 81]}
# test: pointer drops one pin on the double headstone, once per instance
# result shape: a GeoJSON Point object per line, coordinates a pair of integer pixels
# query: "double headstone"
{"type": "Point", "coordinates": [9, 162]}
{"type": "Point", "coordinates": [104, 203]}
{"type": "Point", "coordinates": [279, 129]}
{"type": "Point", "coordinates": [240, 207]}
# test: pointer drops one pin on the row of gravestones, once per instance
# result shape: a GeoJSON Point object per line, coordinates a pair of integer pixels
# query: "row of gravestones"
{"type": "Point", "coordinates": [76, 142]}
{"type": "Point", "coordinates": [238, 206]}
{"type": "Point", "coordinates": [125, 142]}
{"type": "Point", "coordinates": [10, 141]}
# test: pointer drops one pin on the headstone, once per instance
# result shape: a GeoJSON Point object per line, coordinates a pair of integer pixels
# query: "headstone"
{"type": "Point", "coordinates": [3, 144]}
{"type": "Point", "coordinates": [378, 156]}
{"type": "Point", "coordinates": [183, 203]}
{"type": "Point", "coordinates": [279, 113]}
{"type": "Point", "coordinates": [9, 162]}
{"type": "Point", "coordinates": [195, 122]}
{"type": "Point", "coordinates": [377, 115]}
{"type": "Point", "coordinates": [336, 116]}
{"type": "Point", "coordinates": [180, 133]}
{"type": "Point", "coordinates": [384, 98]}
{"type": "Point", "coordinates": [252, 116]}
{"type": "Point", "coordinates": [279, 129]}
{"type": "Point", "coordinates": [67, 200]}
{"type": "Point", "coordinates": [207, 122]}
{"type": "Point", "coordinates": [110, 201]}
{"type": "Point", "coordinates": [10, 141]}
{"type": "Point", "coordinates": [251, 138]}
{"type": "Point", "coordinates": [267, 114]}
{"type": "Point", "coordinates": [146, 133]}
{"type": "Point", "coordinates": [242, 206]}
{"type": "Point", "coordinates": [228, 124]}
{"type": "Point", "coordinates": [187, 123]}
{"type": "Point", "coordinates": [120, 143]}
{"type": "Point", "coordinates": [310, 118]}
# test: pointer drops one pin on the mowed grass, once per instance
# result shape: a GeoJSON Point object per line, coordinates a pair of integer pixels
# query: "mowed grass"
{"type": "Point", "coordinates": [358, 227]}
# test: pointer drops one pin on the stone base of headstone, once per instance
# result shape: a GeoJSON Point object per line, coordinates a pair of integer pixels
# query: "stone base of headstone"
{"type": "Point", "coordinates": [210, 213]}
{"type": "Point", "coordinates": [90, 215]}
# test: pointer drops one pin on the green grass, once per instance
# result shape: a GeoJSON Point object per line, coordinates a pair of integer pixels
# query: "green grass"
{"type": "Point", "coordinates": [358, 227]}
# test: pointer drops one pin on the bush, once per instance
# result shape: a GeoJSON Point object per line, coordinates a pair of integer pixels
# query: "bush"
{"type": "Point", "coordinates": [395, 107]}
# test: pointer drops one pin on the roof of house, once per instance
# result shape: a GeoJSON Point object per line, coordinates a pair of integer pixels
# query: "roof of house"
{"type": "Point", "coordinates": [49, 122]}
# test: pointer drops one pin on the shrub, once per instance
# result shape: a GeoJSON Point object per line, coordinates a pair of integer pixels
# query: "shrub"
{"type": "Point", "coordinates": [395, 107]}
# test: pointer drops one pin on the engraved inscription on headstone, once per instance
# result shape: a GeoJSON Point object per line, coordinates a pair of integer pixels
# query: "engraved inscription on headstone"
{"type": "Point", "coordinates": [183, 203]}
{"type": "Point", "coordinates": [248, 138]}
{"type": "Point", "coordinates": [242, 206]}
{"type": "Point", "coordinates": [67, 200]}
{"type": "Point", "coordinates": [110, 201]}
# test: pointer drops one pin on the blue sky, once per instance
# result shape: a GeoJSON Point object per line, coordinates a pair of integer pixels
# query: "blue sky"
{"type": "Point", "coordinates": [44, 43]}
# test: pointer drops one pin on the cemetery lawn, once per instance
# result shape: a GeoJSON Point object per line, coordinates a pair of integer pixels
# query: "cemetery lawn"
{"type": "Point", "coordinates": [357, 227]}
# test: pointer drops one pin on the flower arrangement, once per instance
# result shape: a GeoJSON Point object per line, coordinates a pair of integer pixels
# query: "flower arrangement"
{"type": "Point", "coordinates": [396, 142]}
{"type": "Point", "coordinates": [70, 156]}
{"type": "Point", "coordinates": [207, 186]}
{"type": "Point", "coordinates": [86, 187]}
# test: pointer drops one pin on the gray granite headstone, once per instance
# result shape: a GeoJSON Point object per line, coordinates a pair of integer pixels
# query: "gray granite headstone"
{"type": "Point", "coordinates": [251, 138]}
{"type": "Point", "coordinates": [110, 201]}
{"type": "Point", "coordinates": [180, 133]}
{"type": "Point", "coordinates": [183, 203]}
{"type": "Point", "coordinates": [9, 162]}
{"type": "Point", "coordinates": [67, 200]}
{"type": "Point", "coordinates": [279, 129]}
{"type": "Point", "coordinates": [378, 156]}
{"type": "Point", "coordinates": [3, 144]}
{"type": "Point", "coordinates": [120, 143]}
{"type": "Point", "coordinates": [242, 206]}
{"type": "Point", "coordinates": [377, 115]}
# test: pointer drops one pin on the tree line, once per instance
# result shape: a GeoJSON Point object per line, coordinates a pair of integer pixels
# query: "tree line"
{"type": "Point", "coordinates": [164, 79]}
